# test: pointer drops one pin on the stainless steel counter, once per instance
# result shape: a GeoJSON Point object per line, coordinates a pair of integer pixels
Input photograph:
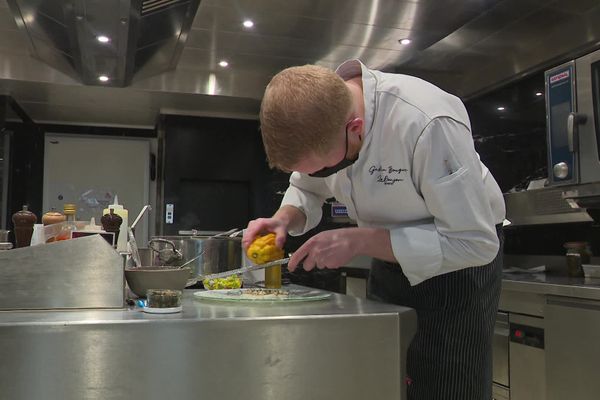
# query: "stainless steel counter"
{"type": "Point", "coordinates": [549, 283]}
{"type": "Point", "coordinates": [340, 348]}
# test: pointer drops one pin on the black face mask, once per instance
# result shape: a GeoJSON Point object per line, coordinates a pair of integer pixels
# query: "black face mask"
{"type": "Point", "coordinates": [344, 163]}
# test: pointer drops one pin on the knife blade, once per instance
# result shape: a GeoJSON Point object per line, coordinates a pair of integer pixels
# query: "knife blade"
{"type": "Point", "coordinates": [242, 270]}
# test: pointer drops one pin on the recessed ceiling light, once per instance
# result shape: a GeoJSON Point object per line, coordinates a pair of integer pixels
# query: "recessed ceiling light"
{"type": "Point", "coordinates": [500, 108]}
{"type": "Point", "coordinates": [103, 78]}
{"type": "Point", "coordinates": [248, 23]}
{"type": "Point", "coordinates": [103, 39]}
{"type": "Point", "coordinates": [405, 41]}
{"type": "Point", "coordinates": [223, 63]}
{"type": "Point", "coordinates": [539, 94]}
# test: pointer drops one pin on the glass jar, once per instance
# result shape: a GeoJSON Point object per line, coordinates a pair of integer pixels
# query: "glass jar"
{"type": "Point", "coordinates": [578, 253]}
{"type": "Point", "coordinates": [70, 210]}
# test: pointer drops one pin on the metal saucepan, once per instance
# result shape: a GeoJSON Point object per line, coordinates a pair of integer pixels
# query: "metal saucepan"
{"type": "Point", "coordinates": [218, 253]}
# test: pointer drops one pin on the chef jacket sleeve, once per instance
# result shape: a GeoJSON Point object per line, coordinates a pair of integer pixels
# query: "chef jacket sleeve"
{"type": "Point", "coordinates": [307, 194]}
{"type": "Point", "coordinates": [447, 172]}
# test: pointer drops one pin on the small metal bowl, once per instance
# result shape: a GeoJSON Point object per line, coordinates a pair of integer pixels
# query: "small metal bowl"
{"type": "Point", "coordinates": [144, 278]}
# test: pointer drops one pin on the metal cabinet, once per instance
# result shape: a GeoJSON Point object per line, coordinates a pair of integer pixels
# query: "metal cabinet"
{"type": "Point", "coordinates": [500, 350]}
{"type": "Point", "coordinates": [573, 348]}
{"type": "Point", "coordinates": [527, 358]}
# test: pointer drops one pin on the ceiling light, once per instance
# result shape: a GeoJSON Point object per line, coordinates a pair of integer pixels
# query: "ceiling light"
{"type": "Point", "coordinates": [248, 23]}
{"type": "Point", "coordinates": [500, 108]}
{"type": "Point", "coordinates": [405, 41]}
{"type": "Point", "coordinates": [223, 63]}
{"type": "Point", "coordinates": [103, 39]}
{"type": "Point", "coordinates": [103, 78]}
{"type": "Point", "coordinates": [539, 94]}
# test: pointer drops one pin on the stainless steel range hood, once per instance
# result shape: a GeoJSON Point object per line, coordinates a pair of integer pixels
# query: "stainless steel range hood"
{"type": "Point", "coordinates": [106, 42]}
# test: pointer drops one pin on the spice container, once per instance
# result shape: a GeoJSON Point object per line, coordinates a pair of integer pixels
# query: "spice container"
{"type": "Point", "coordinates": [578, 253]}
{"type": "Point", "coordinates": [53, 217]}
{"type": "Point", "coordinates": [24, 221]}
{"type": "Point", "coordinates": [70, 211]}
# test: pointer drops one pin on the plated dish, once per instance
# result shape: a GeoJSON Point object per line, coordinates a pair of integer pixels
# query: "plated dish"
{"type": "Point", "coordinates": [262, 295]}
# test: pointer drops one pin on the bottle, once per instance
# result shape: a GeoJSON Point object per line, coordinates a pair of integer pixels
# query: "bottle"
{"type": "Point", "coordinates": [70, 210]}
{"type": "Point", "coordinates": [123, 213]}
{"type": "Point", "coordinates": [112, 222]}
{"type": "Point", "coordinates": [24, 221]}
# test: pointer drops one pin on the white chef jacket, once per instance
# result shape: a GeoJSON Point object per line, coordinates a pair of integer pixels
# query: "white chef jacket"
{"type": "Point", "coordinates": [417, 174]}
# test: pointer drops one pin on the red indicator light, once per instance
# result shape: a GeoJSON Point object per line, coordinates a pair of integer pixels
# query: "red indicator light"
{"type": "Point", "coordinates": [519, 334]}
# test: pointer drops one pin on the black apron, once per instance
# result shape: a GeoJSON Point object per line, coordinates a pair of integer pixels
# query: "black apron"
{"type": "Point", "coordinates": [450, 356]}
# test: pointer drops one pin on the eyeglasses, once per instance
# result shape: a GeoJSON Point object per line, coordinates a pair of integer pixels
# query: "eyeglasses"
{"type": "Point", "coordinates": [344, 163]}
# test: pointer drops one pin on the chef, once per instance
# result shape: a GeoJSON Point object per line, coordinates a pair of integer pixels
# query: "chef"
{"type": "Point", "coordinates": [398, 152]}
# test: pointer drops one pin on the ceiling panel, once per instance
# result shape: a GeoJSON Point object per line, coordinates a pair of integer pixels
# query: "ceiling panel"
{"type": "Point", "coordinates": [465, 46]}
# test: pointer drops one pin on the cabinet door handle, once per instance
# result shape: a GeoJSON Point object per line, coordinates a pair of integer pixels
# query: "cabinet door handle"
{"type": "Point", "coordinates": [573, 122]}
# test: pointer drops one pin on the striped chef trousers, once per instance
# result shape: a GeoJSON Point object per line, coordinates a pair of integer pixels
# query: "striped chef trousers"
{"type": "Point", "coordinates": [450, 356]}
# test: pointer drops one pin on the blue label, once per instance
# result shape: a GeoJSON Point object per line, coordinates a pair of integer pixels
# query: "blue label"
{"type": "Point", "coordinates": [339, 210]}
{"type": "Point", "coordinates": [560, 104]}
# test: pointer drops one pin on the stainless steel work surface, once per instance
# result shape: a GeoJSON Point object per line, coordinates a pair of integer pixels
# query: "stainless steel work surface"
{"type": "Point", "coordinates": [342, 347]}
{"type": "Point", "coordinates": [78, 273]}
{"type": "Point", "coordinates": [547, 283]}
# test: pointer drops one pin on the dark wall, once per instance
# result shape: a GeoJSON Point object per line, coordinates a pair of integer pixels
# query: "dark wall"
{"type": "Point", "coordinates": [26, 169]}
{"type": "Point", "coordinates": [512, 142]}
{"type": "Point", "coordinates": [216, 174]}
{"type": "Point", "coordinates": [3, 105]}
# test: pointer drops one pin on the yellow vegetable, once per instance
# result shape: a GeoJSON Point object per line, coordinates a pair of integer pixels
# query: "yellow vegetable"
{"type": "Point", "coordinates": [231, 282]}
{"type": "Point", "coordinates": [263, 249]}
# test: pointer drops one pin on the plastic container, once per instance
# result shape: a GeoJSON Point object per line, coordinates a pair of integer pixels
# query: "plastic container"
{"type": "Point", "coordinates": [124, 214]}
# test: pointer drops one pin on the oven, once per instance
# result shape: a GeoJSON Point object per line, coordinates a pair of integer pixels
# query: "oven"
{"type": "Point", "coordinates": [573, 132]}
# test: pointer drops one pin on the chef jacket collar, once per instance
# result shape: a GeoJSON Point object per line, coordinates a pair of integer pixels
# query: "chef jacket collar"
{"type": "Point", "coordinates": [350, 69]}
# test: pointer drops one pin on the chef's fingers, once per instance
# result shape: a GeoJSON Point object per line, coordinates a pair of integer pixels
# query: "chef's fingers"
{"type": "Point", "coordinates": [298, 257]}
{"type": "Point", "coordinates": [262, 226]}
{"type": "Point", "coordinates": [254, 229]}
{"type": "Point", "coordinates": [280, 236]}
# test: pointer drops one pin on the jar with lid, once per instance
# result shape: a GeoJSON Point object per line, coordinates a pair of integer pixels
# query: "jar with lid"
{"type": "Point", "coordinates": [70, 210]}
{"type": "Point", "coordinates": [53, 217]}
{"type": "Point", "coordinates": [578, 253]}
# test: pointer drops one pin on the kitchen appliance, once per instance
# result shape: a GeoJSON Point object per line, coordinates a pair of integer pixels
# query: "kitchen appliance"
{"type": "Point", "coordinates": [572, 192]}
{"type": "Point", "coordinates": [573, 126]}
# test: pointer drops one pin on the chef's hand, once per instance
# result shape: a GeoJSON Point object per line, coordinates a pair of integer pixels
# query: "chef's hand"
{"type": "Point", "coordinates": [330, 249]}
{"type": "Point", "coordinates": [263, 226]}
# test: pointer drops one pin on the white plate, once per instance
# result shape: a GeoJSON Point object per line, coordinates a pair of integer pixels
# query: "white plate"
{"type": "Point", "coordinates": [270, 295]}
{"type": "Point", "coordinates": [165, 310]}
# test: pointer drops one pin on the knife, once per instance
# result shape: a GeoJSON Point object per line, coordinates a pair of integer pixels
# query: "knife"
{"type": "Point", "coordinates": [242, 270]}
